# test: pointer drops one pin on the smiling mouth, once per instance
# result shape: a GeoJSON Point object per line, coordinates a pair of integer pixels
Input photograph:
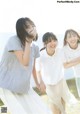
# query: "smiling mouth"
{"type": "Point", "coordinates": [53, 46]}
{"type": "Point", "coordinates": [73, 42]}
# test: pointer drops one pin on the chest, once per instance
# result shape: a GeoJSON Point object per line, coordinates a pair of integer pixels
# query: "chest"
{"type": "Point", "coordinates": [71, 54]}
{"type": "Point", "coordinates": [49, 61]}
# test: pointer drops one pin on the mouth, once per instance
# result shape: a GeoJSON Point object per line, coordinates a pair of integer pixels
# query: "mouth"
{"type": "Point", "coordinates": [73, 42]}
{"type": "Point", "coordinates": [53, 46]}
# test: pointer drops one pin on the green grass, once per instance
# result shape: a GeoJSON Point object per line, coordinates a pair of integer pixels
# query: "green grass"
{"type": "Point", "coordinates": [72, 86]}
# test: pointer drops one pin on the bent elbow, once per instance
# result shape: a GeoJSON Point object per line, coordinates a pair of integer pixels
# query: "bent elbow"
{"type": "Point", "coordinates": [66, 66]}
{"type": "Point", "coordinates": [25, 64]}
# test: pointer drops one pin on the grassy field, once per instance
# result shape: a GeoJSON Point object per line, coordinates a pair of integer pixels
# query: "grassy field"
{"type": "Point", "coordinates": [75, 109]}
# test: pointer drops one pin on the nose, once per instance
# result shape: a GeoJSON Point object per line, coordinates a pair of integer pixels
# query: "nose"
{"type": "Point", "coordinates": [53, 42]}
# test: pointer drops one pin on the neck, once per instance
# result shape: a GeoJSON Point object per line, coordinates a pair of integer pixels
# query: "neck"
{"type": "Point", "coordinates": [73, 46]}
{"type": "Point", "coordinates": [50, 52]}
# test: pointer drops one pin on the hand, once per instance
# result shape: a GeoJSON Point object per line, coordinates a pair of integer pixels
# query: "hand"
{"type": "Point", "coordinates": [42, 87]}
{"type": "Point", "coordinates": [38, 86]}
{"type": "Point", "coordinates": [29, 40]}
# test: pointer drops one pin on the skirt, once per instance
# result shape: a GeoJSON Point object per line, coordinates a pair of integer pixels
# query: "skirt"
{"type": "Point", "coordinates": [57, 93]}
{"type": "Point", "coordinates": [28, 103]}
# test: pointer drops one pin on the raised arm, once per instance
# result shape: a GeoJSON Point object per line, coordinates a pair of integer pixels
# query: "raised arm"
{"type": "Point", "coordinates": [24, 56]}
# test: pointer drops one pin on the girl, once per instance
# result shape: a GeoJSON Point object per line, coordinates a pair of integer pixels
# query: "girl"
{"type": "Point", "coordinates": [50, 67]}
{"type": "Point", "coordinates": [71, 51]}
{"type": "Point", "coordinates": [17, 64]}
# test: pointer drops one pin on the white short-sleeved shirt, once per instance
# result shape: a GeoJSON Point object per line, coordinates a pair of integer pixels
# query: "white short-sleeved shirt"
{"type": "Point", "coordinates": [13, 75]}
{"type": "Point", "coordinates": [51, 67]}
{"type": "Point", "coordinates": [70, 54]}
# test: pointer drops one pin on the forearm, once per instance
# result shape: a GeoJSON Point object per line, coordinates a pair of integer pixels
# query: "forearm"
{"type": "Point", "coordinates": [42, 84]}
{"type": "Point", "coordinates": [26, 55]}
{"type": "Point", "coordinates": [35, 78]}
{"type": "Point", "coordinates": [23, 56]}
{"type": "Point", "coordinates": [39, 76]}
{"type": "Point", "coordinates": [72, 63]}
{"type": "Point", "coordinates": [35, 75]}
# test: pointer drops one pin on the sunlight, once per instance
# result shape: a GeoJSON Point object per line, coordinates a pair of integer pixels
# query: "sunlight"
{"type": "Point", "coordinates": [47, 15]}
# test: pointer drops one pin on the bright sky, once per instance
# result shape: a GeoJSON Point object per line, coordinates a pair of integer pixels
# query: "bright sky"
{"type": "Point", "coordinates": [48, 15]}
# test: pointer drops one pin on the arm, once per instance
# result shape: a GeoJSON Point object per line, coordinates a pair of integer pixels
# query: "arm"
{"type": "Point", "coordinates": [72, 63]}
{"type": "Point", "coordinates": [24, 56]}
{"type": "Point", "coordinates": [42, 85]}
{"type": "Point", "coordinates": [35, 76]}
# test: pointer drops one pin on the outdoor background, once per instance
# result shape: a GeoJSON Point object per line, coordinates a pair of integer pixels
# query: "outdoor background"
{"type": "Point", "coordinates": [48, 15]}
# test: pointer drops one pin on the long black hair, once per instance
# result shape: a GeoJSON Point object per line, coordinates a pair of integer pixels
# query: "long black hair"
{"type": "Point", "coordinates": [22, 25]}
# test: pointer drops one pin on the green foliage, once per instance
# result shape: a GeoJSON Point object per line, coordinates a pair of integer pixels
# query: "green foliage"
{"type": "Point", "coordinates": [72, 86]}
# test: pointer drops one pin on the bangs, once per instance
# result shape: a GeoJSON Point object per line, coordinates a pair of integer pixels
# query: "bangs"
{"type": "Point", "coordinates": [49, 39]}
{"type": "Point", "coordinates": [71, 33]}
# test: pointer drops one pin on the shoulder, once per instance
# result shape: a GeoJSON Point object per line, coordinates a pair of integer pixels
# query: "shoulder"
{"type": "Point", "coordinates": [59, 52]}
{"type": "Point", "coordinates": [35, 46]}
{"type": "Point", "coordinates": [65, 49]}
{"type": "Point", "coordinates": [35, 50]}
{"type": "Point", "coordinates": [14, 43]}
{"type": "Point", "coordinates": [13, 39]}
{"type": "Point", "coordinates": [43, 51]}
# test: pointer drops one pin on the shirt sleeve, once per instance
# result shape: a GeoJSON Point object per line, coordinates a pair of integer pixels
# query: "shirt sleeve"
{"type": "Point", "coordinates": [37, 52]}
{"type": "Point", "coordinates": [14, 44]}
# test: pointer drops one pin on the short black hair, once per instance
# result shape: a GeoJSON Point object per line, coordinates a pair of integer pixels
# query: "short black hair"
{"type": "Point", "coordinates": [47, 37]}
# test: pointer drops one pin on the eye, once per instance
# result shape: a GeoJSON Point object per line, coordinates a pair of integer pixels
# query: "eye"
{"type": "Point", "coordinates": [74, 35]}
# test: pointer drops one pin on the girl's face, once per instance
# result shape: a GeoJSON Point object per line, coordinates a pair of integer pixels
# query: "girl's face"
{"type": "Point", "coordinates": [33, 33]}
{"type": "Point", "coordinates": [32, 30]}
{"type": "Point", "coordinates": [72, 40]}
{"type": "Point", "coordinates": [52, 45]}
